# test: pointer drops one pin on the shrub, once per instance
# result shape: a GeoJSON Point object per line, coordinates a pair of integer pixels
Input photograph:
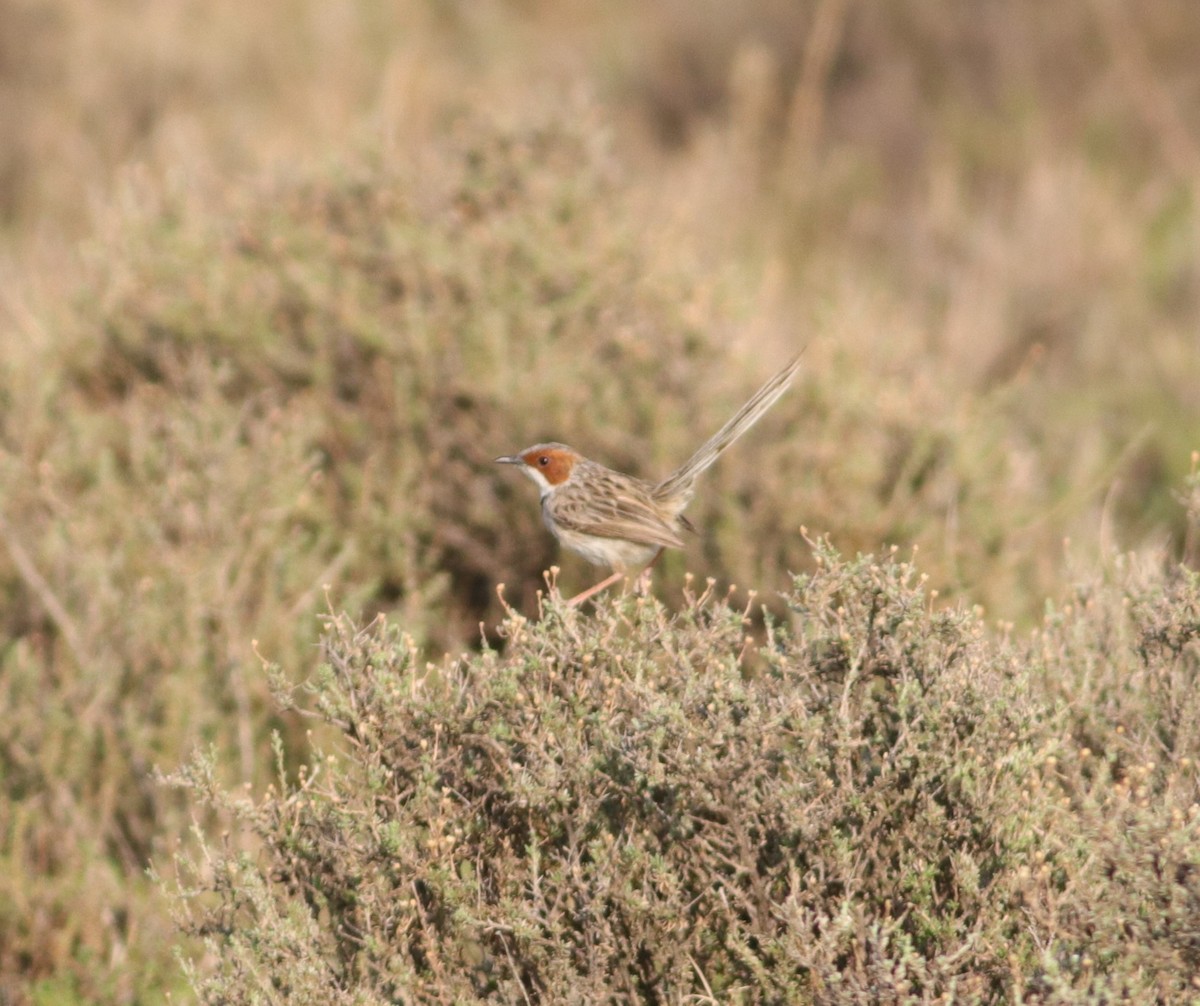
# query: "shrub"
{"type": "Point", "coordinates": [236, 409]}
{"type": "Point", "coordinates": [870, 805]}
{"type": "Point", "coordinates": [258, 383]}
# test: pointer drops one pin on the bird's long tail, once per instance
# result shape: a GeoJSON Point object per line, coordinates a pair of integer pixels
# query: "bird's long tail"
{"type": "Point", "coordinates": [679, 484]}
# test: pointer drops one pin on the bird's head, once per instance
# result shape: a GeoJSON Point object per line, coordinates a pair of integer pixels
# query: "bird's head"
{"type": "Point", "coordinates": [549, 465]}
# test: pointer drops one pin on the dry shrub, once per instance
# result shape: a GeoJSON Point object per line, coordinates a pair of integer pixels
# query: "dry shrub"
{"type": "Point", "coordinates": [242, 407]}
{"type": "Point", "coordinates": [303, 384]}
{"type": "Point", "coordinates": [876, 805]}
{"type": "Point", "coordinates": [255, 388]}
{"type": "Point", "coordinates": [410, 322]}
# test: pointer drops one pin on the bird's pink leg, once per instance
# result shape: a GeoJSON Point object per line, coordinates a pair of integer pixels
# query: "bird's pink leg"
{"type": "Point", "coordinates": [604, 584]}
{"type": "Point", "coordinates": [643, 580]}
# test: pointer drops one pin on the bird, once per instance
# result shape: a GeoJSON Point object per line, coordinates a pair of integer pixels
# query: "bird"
{"type": "Point", "coordinates": [617, 520]}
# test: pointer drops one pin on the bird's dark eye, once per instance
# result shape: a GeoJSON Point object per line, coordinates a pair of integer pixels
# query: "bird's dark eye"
{"type": "Point", "coordinates": [544, 460]}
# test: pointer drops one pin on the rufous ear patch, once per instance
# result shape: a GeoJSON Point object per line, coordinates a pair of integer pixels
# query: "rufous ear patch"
{"type": "Point", "coordinates": [554, 463]}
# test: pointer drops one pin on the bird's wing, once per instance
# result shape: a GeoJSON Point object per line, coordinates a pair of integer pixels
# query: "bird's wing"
{"type": "Point", "coordinates": [608, 504]}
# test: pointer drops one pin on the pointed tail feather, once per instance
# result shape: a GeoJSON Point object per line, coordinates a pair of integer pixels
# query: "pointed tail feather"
{"type": "Point", "coordinates": [679, 484]}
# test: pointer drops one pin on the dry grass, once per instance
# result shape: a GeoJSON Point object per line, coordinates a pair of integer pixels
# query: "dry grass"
{"type": "Point", "coordinates": [331, 259]}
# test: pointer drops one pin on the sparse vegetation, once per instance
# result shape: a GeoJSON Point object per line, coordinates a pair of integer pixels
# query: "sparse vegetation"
{"type": "Point", "coordinates": [277, 282]}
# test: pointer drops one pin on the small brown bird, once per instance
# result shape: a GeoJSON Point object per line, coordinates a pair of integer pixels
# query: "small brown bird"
{"type": "Point", "coordinates": [620, 521]}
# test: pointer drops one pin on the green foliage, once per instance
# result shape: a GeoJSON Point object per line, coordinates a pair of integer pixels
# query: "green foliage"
{"type": "Point", "coordinates": [880, 801]}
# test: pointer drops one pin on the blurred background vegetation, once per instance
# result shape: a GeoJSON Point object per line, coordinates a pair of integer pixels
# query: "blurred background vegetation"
{"type": "Point", "coordinates": [277, 281]}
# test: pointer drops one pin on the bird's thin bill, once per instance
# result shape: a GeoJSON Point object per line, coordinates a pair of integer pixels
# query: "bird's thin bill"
{"type": "Point", "coordinates": [508, 459]}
